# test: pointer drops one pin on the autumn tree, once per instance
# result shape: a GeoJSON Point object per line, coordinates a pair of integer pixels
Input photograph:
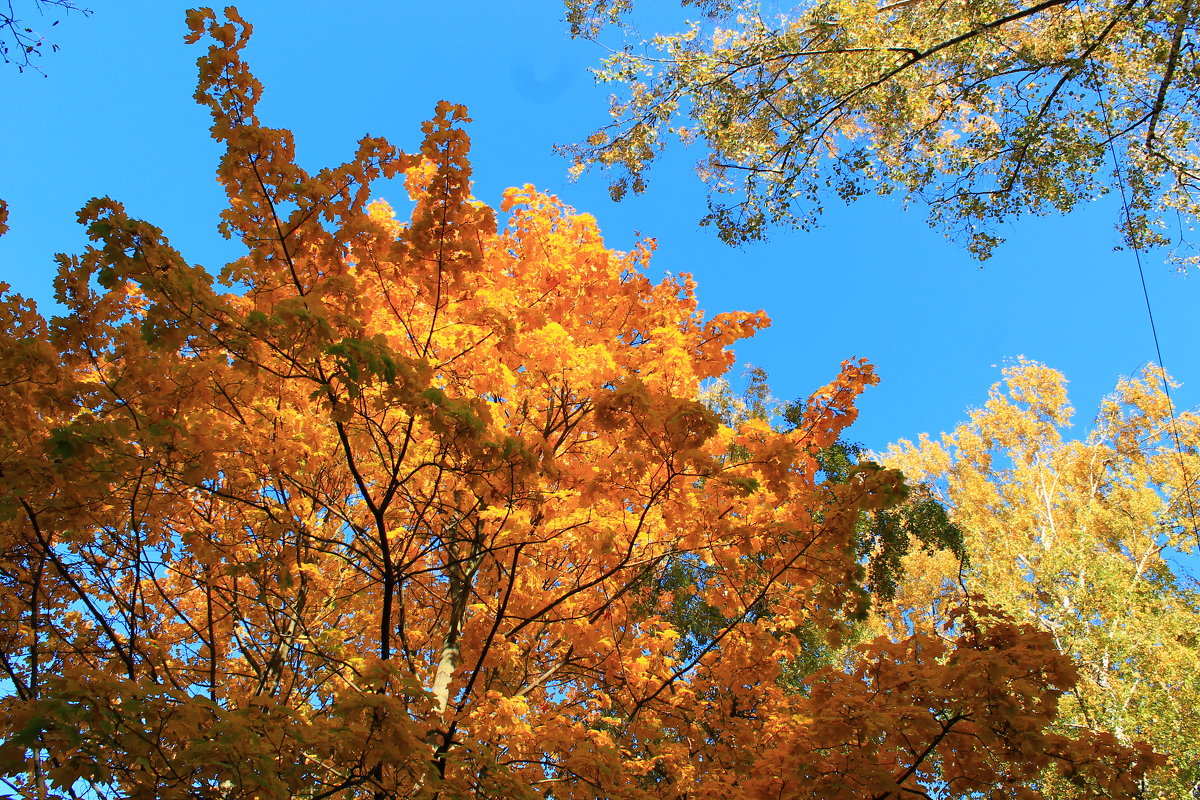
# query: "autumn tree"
{"type": "Point", "coordinates": [1084, 539]}
{"type": "Point", "coordinates": [885, 535]}
{"type": "Point", "coordinates": [882, 537]}
{"type": "Point", "coordinates": [372, 513]}
{"type": "Point", "coordinates": [983, 109]}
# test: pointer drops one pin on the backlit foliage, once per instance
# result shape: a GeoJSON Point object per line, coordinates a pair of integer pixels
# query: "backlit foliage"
{"type": "Point", "coordinates": [983, 109]}
{"type": "Point", "coordinates": [1079, 538]}
{"type": "Point", "coordinates": [382, 522]}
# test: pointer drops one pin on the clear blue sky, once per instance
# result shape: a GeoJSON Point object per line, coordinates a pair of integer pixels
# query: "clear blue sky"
{"type": "Point", "coordinates": [115, 116]}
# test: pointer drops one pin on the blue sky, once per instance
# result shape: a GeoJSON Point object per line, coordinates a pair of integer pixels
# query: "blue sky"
{"type": "Point", "coordinates": [115, 116]}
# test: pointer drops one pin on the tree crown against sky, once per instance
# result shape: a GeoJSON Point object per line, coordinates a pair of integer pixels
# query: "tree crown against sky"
{"type": "Point", "coordinates": [378, 523]}
{"type": "Point", "coordinates": [982, 111]}
{"type": "Point", "coordinates": [906, 286]}
{"type": "Point", "coordinates": [1088, 540]}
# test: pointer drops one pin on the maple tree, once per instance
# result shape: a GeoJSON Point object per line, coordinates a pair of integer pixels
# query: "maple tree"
{"type": "Point", "coordinates": [885, 535]}
{"type": "Point", "coordinates": [882, 536]}
{"type": "Point", "coordinates": [983, 109]}
{"type": "Point", "coordinates": [379, 509]}
{"type": "Point", "coordinates": [1078, 538]}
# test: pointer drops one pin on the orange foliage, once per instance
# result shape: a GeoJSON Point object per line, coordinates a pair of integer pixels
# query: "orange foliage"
{"type": "Point", "coordinates": [387, 521]}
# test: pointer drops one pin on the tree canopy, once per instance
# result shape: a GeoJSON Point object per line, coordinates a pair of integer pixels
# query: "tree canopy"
{"type": "Point", "coordinates": [981, 110]}
{"type": "Point", "coordinates": [1078, 538]}
{"type": "Point", "coordinates": [373, 512]}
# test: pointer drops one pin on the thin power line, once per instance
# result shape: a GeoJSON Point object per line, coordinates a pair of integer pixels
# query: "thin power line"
{"type": "Point", "coordinates": [1137, 255]}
